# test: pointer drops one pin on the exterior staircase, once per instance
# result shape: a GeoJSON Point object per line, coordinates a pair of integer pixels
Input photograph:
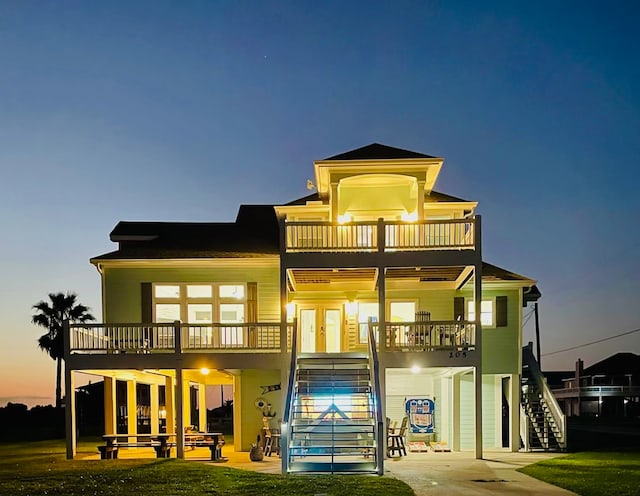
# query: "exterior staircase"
{"type": "Point", "coordinates": [332, 423]}
{"type": "Point", "coordinates": [542, 423]}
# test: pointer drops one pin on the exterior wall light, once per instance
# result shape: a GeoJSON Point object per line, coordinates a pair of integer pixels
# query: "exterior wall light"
{"type": "Point", "coordinates": [344, 218]}
{"type": "Point", "coordinates": [204, 371]}
{"type": "Point", "coordinates": [351, 308]}
{"type": "Point", "coordinates": [291, 311]}
{"type": "Point", "coordinates": [415, 369]}
{"type": "Point", "coordinates": [409, 217]}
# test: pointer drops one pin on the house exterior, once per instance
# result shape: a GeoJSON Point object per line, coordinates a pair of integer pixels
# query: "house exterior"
{"type": "Point", "coordinates": [364, 301]}
{"type": "Point", "coordinates": [608, 388]}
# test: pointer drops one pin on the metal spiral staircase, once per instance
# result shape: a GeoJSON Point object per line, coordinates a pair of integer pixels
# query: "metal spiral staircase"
{"type": "Point", "coordinates": [543, 426]}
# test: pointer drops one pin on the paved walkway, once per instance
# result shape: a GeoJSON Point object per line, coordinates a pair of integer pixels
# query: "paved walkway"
{"type": "Point", "coordinates": [435, 474]}
{"type": "Point", "coordinates": [428, 474]}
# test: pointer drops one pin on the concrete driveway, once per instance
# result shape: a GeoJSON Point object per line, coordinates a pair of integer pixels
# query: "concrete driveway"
{"type": "Point", "coordinates": [434, 474]}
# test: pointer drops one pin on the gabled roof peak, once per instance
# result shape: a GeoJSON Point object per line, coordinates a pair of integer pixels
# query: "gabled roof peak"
{"type": "Point", "coordinates": [377, 151]}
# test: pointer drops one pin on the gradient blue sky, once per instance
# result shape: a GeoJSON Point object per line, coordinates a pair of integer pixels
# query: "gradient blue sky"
{"type": "Point", "coordinates": [183, 110]}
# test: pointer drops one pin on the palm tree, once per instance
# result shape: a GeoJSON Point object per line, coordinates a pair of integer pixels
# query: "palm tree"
{"type": "Point", "coordinates": [51, 316]}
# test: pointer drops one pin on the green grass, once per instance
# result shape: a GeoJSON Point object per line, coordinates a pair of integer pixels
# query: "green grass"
{"type": "Point", "coordinates": [591, 474]}
{"type": "Point", "coordinates": [40, 468]}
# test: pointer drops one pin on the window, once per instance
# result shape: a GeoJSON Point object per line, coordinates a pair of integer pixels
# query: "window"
{"type": "Point", "coordinates": [486, 312]}
{"type": "Point", "coordinates": [203, 304]}
{"type": "Point", "coordinates": [402, 311]}
{"type": "Point", "coordinates": [366, 310]}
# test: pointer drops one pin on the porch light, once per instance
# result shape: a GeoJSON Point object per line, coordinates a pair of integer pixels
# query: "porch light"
{"type": "Point", "coordinates": [351, 308]}
{"type": "Point", "coordinates": [409, 217]}
{"type": "Point", "coordinates": [291, 311]}
{"type": "Point", "coordinates": [343, 219]}
{"type": "Point", "coordinates": [415, 369]}
{"type": "Point", "coordinates": [204, 371]}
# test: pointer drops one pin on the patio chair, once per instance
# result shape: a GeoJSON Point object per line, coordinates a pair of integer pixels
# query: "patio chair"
{"type": "Point", "coordinates": [395, 440]}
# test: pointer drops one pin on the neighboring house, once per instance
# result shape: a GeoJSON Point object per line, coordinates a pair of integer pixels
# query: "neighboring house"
{"type": "Point", "coordinates": [609, 388]}
{"type": "Point", "coordinates": [376, 255]}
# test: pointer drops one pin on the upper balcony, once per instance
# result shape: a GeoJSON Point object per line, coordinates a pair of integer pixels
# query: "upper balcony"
{"type": "Point", "coordinates": [381, 236]}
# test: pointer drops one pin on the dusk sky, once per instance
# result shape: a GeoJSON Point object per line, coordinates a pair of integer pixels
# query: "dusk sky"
{"type": "Point", "coordinates": [180, 111]}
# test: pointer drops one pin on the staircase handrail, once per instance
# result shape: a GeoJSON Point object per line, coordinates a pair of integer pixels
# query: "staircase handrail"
{"type": "Point", "coordinates": [524, 428]}
{"type": "Point", "coordinates": [379, 429]}
{"type": "Point", "coordinates": [554, 408]}
{"type": "Point", "coordinates": [288, 407]}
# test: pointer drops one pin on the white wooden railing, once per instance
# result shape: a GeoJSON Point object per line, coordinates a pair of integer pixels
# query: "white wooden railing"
{"type": "Point", "coordinates": [432, 335]}
{"type": "Point", "coordinates": [174, 337]}
{"type": "Point", "coordinates": [326, 237]}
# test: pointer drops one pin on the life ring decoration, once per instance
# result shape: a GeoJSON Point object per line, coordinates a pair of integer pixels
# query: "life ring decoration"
{"type": "Point", "coordinates": [260, 403]}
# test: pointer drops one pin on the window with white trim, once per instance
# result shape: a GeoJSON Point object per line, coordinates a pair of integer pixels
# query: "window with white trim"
{"type": "Point", "coordinates": [487, 312]}
{"type": "Point", "coordinates": [203, 304]}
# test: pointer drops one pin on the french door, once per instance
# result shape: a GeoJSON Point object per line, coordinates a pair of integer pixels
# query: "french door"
{"type": "Point", "coordinates": [320, 329]}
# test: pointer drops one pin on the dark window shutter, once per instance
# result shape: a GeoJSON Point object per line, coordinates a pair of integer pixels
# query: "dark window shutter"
{"type": "Point", "coordinates": [501, 311]}
{"type": "Point", "coordinates": [146, 303]}
{"type": "Point", "coordinates": [458, 308]}
{"type": "Point", "coordinates": [252, 302]}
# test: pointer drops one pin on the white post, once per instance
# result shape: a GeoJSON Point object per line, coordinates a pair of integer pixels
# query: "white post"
{"type": "Point", "coordinates": [70, 412]}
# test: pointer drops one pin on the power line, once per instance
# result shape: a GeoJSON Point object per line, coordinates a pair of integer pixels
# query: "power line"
{"type": "Point", "coordinates": [592, 342]}
{"type": "Point", "coordinates": [527, 318]}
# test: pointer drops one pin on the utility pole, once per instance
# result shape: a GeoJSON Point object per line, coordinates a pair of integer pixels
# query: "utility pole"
{"type": "Point", "coordinates": [535, 309]}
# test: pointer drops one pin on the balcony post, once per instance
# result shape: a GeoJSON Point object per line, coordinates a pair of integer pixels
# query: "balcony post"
{"type": "Point", "coordinates": [382, 314]}
{"type": "Point", "coordinates": [177, 334]}
{"type": "Point", "coordinates": [477, 300]}
{"type": "Point", "coordinates": [70, 412]}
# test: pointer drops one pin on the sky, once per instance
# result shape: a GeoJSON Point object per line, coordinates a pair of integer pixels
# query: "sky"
{"type": "Point", "coordinates": [180, 111]}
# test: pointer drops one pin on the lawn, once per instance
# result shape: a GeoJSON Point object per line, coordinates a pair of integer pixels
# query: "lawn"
{"type": "Point", "coordinates": [40, 468]}
{"type": "Point", "coordinates": [591, 474]}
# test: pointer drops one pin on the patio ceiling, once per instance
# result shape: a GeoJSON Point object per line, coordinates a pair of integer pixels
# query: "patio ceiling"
{"type": "Point", "coordinates": [367, 278]}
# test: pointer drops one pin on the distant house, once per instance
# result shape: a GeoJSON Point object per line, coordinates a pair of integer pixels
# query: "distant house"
{"type": "Point", "coordinates": [609, 388]}
{"type": "Point", "coordinates": [365, 300]}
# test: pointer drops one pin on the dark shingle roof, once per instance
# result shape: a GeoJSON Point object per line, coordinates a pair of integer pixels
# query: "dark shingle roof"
{"type": "Point", "coordinates": [618, 364]}
{"type": "Point", "coordinates": [254, 234]}
{"type": "Point", "coordinates": [490, 272]}
{"type": "Point", "coordinates": [376, 151]}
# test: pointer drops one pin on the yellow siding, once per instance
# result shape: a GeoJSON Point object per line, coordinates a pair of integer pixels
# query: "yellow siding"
{"type": "Point", "coordinates": [122, 287]}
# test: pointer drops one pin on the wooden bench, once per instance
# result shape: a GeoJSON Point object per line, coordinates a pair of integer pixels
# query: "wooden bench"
{"type": "Point", "coordinates": [113, 442]}
{"type": "Point", "coordinates": [213, 441]}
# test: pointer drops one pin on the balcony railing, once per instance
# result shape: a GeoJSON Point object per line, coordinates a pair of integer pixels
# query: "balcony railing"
{"type": "Point", "coordinates": [174, 337]}
{"type": "Point", "coordinates": [323, 237]}
{"type": "Point", "coordinates": [432, 335]}
{"type": "Point", "coordinates": [596, 391]}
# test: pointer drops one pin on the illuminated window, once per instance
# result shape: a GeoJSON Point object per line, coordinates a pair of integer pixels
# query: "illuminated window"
{"type": "Point", "coordinates": [486, 312]}
{"type": "Point", "coordinates": [365, 311]}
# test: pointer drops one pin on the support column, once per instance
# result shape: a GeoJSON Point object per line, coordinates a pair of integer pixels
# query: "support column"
{"type": "Point", "coordinates": [202, 408]}
{"type": "Point", "coordinates": [514, 400]}
{"type": "Point", "coordinates": [70, 412]}
{"type": "Point", "coordinates": [109, 405]}
{"type": "Point", "coordinates": [170, 404]}
{"type": "Point", "coordinates": [382, 307]}
{"type": "Point", "coordinates": [477, 371]}
{"type": "Point", "coordinates": [180, 412]}
{"type": "Point", "coordinates": [155, 407]}
{"type": "Point", "coordinates": [237, 416]}
{"type": "Point", "coordinates": [334, 202]}
{"type": "Point", "coordinates": [420, 200]}
{"type": "Point", "coordinates": [132, 410]}
{"type": "Point", "coordinates": [455, 427]}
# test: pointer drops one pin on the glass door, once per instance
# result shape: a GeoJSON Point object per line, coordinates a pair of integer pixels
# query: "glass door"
{"type": "Point", "coordinates": [320, 329]}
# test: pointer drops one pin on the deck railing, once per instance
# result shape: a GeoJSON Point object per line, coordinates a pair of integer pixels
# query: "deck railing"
{"type": "Point", "coordinates": [326, 237]}
{"type": "Point", "coordinates": [168, 337]}
{"type": "Point", "coordinates": [431, 335]}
